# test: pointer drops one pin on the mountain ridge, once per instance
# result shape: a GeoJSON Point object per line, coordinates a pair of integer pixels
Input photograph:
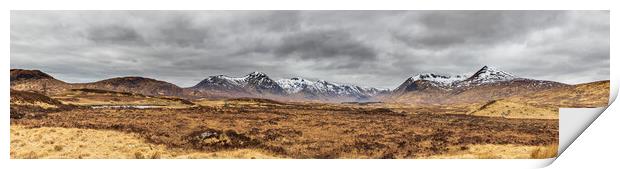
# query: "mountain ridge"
{"type": "Point", "coordinates": [486, 84]}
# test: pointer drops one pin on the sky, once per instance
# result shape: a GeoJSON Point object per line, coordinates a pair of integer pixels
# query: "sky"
{"type": "Point", "coordinates": [368, 48]}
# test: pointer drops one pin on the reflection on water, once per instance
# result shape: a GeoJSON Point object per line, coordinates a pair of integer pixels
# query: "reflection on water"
{"type": "Point", "coordinates": [126, 107]}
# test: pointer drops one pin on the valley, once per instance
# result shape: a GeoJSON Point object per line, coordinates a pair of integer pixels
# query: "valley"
{"type": "Point", "coordinates": [491, 114]}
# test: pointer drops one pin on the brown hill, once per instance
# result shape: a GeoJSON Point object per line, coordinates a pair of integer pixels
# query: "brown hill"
{"type": "Point", "coordinates": [507, 109]}
{"type": "Point", "coordinates": [593, 94]}
{"type": "Point", "coordinates": [21, 74]}
{"type": "Point", "coordinates": [141, 85]}
{"type": "Point", "coordinates": [501, 90]}
{"type": "Point", "coordinates": [486, 85]}
{"type": "Point", "coordinates": [37, 81]}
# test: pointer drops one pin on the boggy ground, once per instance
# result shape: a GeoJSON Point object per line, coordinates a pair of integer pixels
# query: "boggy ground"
{"type": "Point", "coordinates": [308, 131]}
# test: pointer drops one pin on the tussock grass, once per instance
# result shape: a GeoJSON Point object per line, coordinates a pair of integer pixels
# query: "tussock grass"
{"type": "Point", "coordinates": [71, 143]}
{"type": "Point", "coordinates": [491, 151]}
{"type": "Point", "coordinates": [545, 152]}
{"type": "Point", "coordinates": [263, 129]}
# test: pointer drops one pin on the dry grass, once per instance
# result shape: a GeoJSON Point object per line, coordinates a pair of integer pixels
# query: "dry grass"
{"type": "Point", "coordinates": [594, 94]}
{"type": "Point", "coordinates": [308, 130]}
{"type": "Point", "coordinates": [490, 151]}
{"type": "Point", "coordinates": [71, 143]}
{"type": "Point", "coordinates": [507, 109]}
{"type": "Point", "coordinates": [257, 128]}
{"type": "Point", "coordinates": [545, 152]}
{"type": "Point", "coordinates": [89, 97]}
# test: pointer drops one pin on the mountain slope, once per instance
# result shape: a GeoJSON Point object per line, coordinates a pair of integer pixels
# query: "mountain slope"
{"type": "Point", "coordinates": [593, 94]}
{"type": "Point", "coordinates": [507, 109]}
{"type": "Point", "coordinates": [254, 84]}
{"type": "Point", "coordinates": [141, 85]}
{"type": "Point", "coordinates": [21, 74]}
{"type": "Point", "coordinates": [36, 80]}
{"type": "Point", "coordinates": [484, 85]}
{"type": "Point", "coordinates": [428, 82]}
{"type": "Point", "coordinates": [323, 90]}
{"type": "Point", "coordinates": [488, 75]}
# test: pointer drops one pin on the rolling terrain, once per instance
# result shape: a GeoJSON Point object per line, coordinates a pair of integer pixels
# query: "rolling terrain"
{"type": "Point", "coordinates": [313, 130]}
{"type": "Point", "coordinates": [490, 114]}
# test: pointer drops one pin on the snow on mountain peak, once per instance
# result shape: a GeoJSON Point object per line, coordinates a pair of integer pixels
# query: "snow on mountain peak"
{"type": "Point", "coordinates": [443, 80]}
{"type": "Point", "coordinates": [296, 84]}
{"type": "Point", "coordinates": [489, 74]}
{"type": "Point", "coordinates": [256, 75]}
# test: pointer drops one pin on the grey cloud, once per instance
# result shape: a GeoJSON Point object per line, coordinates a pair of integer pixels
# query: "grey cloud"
{"type": "Point", "coordinates": [445, 29]}
{"type": "Point", "coordinates": [324, 44]}
{"type": "Point", "coordinates": [370, 48]}
{"type": "Point", "coordinates": [115, 34]}
{"type": "Point", "coordinates": [278, 21]}
{"type": "Point", "coordinates": [181, 32]}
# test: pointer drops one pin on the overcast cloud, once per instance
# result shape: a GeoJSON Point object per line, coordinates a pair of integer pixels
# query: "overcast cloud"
{"type": "Point", "coordinates": [368, 48]}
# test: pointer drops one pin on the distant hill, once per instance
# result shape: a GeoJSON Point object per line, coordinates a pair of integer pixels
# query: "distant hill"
{"type": "Point", "coordinates": [593, 94]}
{"type": "Point", "coordinates": [141, 85]}
{"type": "Point", "coordinates": [21, 74]}
{"type": "Point", "coordinates": [486, 84]}
{"type": "Point", "coordinates": [36, 80]}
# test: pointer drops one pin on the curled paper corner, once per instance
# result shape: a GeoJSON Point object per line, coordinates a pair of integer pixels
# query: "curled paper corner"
{"type": "Point", "coordinates": [574, 121]}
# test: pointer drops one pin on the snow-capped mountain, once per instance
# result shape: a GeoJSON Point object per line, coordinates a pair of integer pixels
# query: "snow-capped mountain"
{"type": "Point", "coordinates": [486, 75]}
{"type": "Point", "coordinates": [294, 85]}
{"type": "Point", "coordinates": [486, 83]}
{"type": "Point", "coordinates": [323, 88]}
{"type": "Point", "coordinates": [429, 81]}
{"type": "Point", "coordinates": [489, 75]}
{"type": "Point", "coordinates": [438, 79]}
{"type": "Point", "coordinates": [255, 82]}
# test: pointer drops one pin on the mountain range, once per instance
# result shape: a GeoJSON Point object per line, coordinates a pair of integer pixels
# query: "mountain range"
{"type": "Point", "coordinates": [486, 84]}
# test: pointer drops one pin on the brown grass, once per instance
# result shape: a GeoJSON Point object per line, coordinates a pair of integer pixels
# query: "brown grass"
{"type": "Point", "coordinates": [90, 97]}
{"type": "Point", "coordinates": [55, 143]}
{"type": "Point", "coordinates": [490, 151]}
{"type": "Point", "coordinates": [549, 151]}
{"type": "Point", "coordinates": [307, 131]}
{"type": "Point", "coordinates": [508, 109]}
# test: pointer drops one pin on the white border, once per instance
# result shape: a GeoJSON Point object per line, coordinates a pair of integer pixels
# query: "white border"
{"type": "Point", "coordinates": [583, 151]}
